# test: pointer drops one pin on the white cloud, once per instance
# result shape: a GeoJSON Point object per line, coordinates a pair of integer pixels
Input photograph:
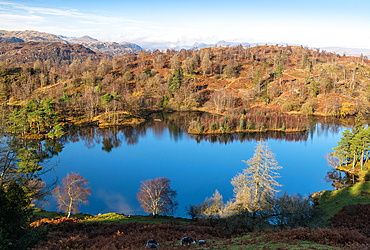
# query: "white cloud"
{"type": "Point", "coordinates": [89, 22]}
{"type": "Point", "coordinates": [114, 202]}
{"type": "Point", "coordinates": [20, 18]}
{"type": "Point", "coordinates": [290, 29]}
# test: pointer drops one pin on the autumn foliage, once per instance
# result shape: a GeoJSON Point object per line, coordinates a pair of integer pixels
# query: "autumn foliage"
{"type": "Point", "coordinates": [215, 80]}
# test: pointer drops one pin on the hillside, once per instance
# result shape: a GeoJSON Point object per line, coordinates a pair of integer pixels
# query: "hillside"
{"type": "Point", "coordinates": [113, 49]}
{"type": "Point", "coordinates": [56, 53]}
{"type": "Point", "coordinates": [83, 39]}
{"type": "Point", "coordinates": [29, 36]}
{"type": "Point", "coordinates": [110, 49]}
{"type": "Point", "coordinates": [274, 83]}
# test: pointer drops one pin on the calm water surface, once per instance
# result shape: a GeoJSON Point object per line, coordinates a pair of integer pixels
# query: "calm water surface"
{"type": "Point", "coordinates": [116, 161]}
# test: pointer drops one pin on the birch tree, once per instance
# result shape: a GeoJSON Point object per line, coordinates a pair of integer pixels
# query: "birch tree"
{"type": "Point", "coordinates": [157, 197]}
{"type": "Point", "coordinates": [73, 193]}
{"type": "Point", "coordinates": [256, 185]}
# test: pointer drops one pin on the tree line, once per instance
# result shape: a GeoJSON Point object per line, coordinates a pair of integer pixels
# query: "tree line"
{"type": "Point", "coordinates": [216, 79]}
{"type": "Point", "coordinates": [352, 153]}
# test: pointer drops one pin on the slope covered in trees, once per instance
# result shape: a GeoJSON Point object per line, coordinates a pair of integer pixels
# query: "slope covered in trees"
{"type": "Point", "coordinates": [227, 81]}
{"type": "Point", "coordinates": [57, 54]}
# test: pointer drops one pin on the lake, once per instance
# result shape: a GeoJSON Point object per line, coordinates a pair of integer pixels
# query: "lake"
{"type": "Point", "coordinates": [115, 161]}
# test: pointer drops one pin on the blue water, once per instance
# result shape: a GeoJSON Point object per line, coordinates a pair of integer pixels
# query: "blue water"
{"type": "Point", "coordinates": [196, 168]}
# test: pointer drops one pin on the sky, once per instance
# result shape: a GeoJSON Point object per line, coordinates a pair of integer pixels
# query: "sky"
{"type": "Point", "coordinates": [324, 23]}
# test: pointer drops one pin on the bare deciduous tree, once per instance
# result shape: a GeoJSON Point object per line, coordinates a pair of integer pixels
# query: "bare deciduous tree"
{"type": "Point", "coordinates": [174, 62]}
{"type": "Point", "coordinates": [217, 101]}
{"type": "Point", "coordinates": [157, 197]}
{"type": "Point", "coordinates": [254, 187]}
{"type": "Point", "coordinates": [73, 193]}
{"type": "Point", "coordinates": [212, 207]}
{"type": "Point", "coordinates": [90, 100]}
{"type": "Point", "coordinates": [206, 64]}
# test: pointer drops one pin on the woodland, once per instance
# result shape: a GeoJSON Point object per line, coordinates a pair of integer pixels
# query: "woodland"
{"type": "Point", "coordinates": [45, 87]}
{"type": "Point", "coordinates": [245, 89]}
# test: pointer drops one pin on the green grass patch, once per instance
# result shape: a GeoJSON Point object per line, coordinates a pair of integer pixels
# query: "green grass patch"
{"type": "Point", "coordinates": [333, 201]}
{"type": "Point", "coordinates": [109, 218]}
{"type": "Point", "coordinates": [121, 219]}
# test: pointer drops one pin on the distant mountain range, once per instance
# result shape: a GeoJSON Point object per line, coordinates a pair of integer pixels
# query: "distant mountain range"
{"type": "Point", "coordinates": [90, 43]}
{"type": "Point", "coordinates": [28, 36]}
{"type": "Point", "coordinates": [113, 48]}
{"type": "Point", "coordinates": [81, 40]}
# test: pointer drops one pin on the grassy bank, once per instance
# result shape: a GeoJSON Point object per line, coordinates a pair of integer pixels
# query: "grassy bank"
{"type": "Point", "coordinates": [333, 201]}
{"type": "Point", "coordinates": [109, 218]}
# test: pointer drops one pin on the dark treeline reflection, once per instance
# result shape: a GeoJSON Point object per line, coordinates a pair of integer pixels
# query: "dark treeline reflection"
{"type": "Point", "coordinates": [176, 124]}
{"type": "Point", "coordinates": [340, 179]}
{"type": "Point", "coordinates": [110, 137]}
{"type": "Point", "coordinates": [242, 137]}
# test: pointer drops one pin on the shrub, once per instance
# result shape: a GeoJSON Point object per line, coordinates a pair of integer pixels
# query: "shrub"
{"type": "Point", "coordinates": [192, 211]}
{"type": "Point", "coordinates": [241, 124]}
{"type": "Point", "coordinates": [287, 107]}
{"type": "Point", "coordinates": [221, 127]}
{"type": "Point", "coordinates": [294, 211]}
{"type": "Point", "coordinates": [243, 221]}
{"type": "Point", "coordinates": [227, 127]}
{"type": "Point", "coordinates": [213, 126]}
{"type": "Point", "coordinates": [307, 108]}
{"type": "Point", "coordinates": [232, 122]}
{"type": "Point", "coordinates": [199, 127]}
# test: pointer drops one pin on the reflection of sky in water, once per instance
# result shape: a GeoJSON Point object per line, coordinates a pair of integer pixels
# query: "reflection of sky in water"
{"type": "Point", "coordinates": [196, 170]}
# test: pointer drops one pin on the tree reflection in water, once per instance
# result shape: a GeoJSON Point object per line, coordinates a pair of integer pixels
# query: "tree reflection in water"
{"type": "Point", "coordinates": [177, 124]}
{"type": "Point", "coordinates": [339, 179]}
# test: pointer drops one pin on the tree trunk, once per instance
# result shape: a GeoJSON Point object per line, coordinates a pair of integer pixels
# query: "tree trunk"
{"type": "Point", "coordinates": [363, 154]}
{"type": "Point", "coordinates": [69, 208]}
{"type": "Point", "coordinates": [353, 167]}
